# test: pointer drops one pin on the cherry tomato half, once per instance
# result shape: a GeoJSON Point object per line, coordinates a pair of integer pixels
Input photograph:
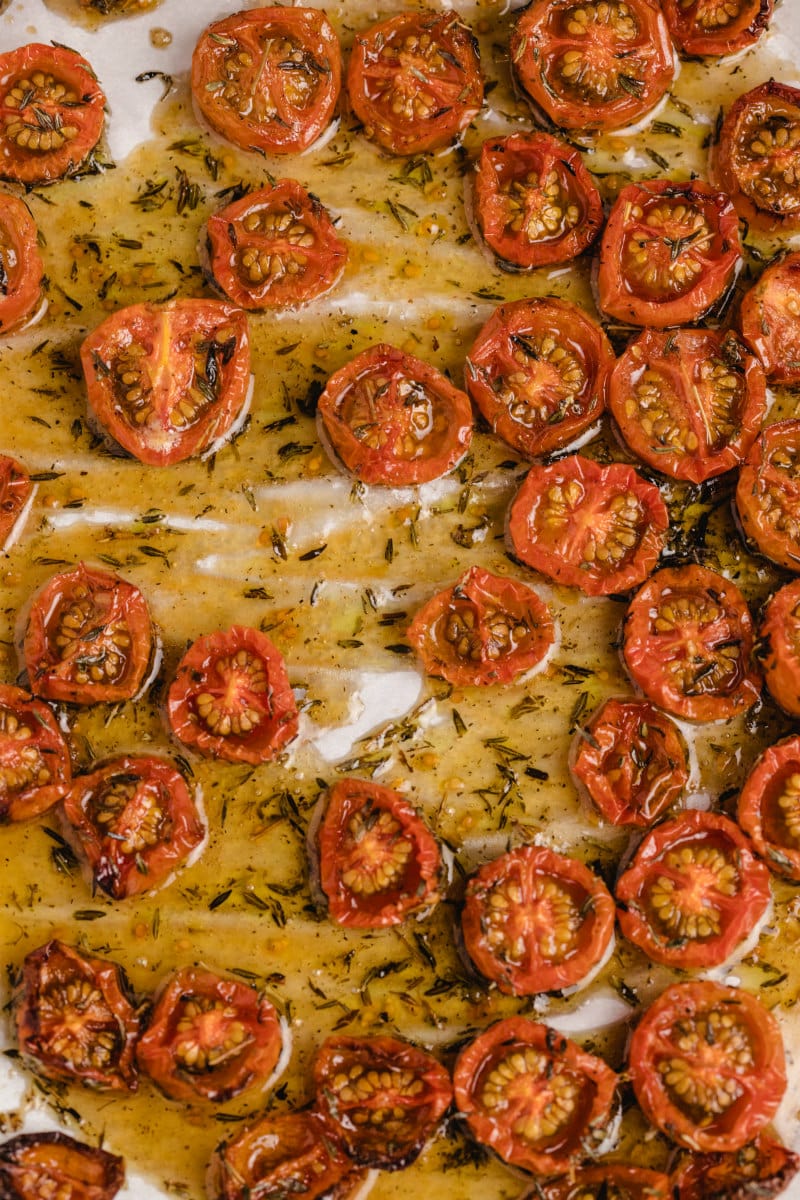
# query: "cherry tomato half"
{"type": "Point", "coordinates": [536, 1098]}
{"type": "Point", "coordinates": [609, 1181]}
{"type": "Point", "coordinates": [16, 494]}
{"type": "Point", "coordinates": [275, 248]}
{"type": "Point", "coordinates": [760, 1169]}
{"type": "Point", "coordinates": [769, 319]}
{"type": "Point", "coordinates": [709, 27]}
{"type": "Point", "coordinates": [378, 863]}
{"type": "Point", "coordinates": [35, 770]}
{"type": "Point", "coordinates": [688, 644]}
{"type": "Point", "coordinates": [231, 697]}
{"type": "Point", "coordinates": [538, 372]}
{"type": "Point", "coordinates": [382, 1097]}
{"type": "Point", "coordinates": [669, 253]}
{"type": "Point", "coordinates": [391, 418]}
{"type": "Point", "coordinates": [136, 823]}
{"type": "Point", "coordinates": [74, 1019]}
{"type": "Point", "coordinates": [757, 157]}
{"type": "Point", "coordinates": [268, 79]}
{"type": "Point", "coordinates": [632, 761]}
{"type": "Point", "coordinates": [768, 494]}
{"type": "Point", "coordinates": [594, 66]}
{"type": "Point", "coordinates": [535, 921]}
{"type": "Point", "coordinates": [769, 807]}
{"type": "Point", "coordinates": [707, 1065]}
{"type": "Point", "coordinates": [779, 647]}
{"type": "Point", "coordinates": [688, 403]}
{"type": "Point", "coordinates": [415, 81]}
{"type": "Point", "coordinates": [35, 1166]}
{"type": "Point", "coordinates": [21, 266]}
{"type": "Point", "coordinates": [600, 529]}
{"type": "Point", "coordinates": [169, 381]}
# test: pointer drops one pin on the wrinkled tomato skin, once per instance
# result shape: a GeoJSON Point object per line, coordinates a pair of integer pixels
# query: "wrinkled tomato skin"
{"type": "Point", "coordinates": [769, 319]}
{"type": "Point", "coordinates": [779, 647]}
{"type": "Point", "coordinates": [769, 804]}
{"type": "Point", "coordinates": [35, 769]}
{"type": "Point", "coordinates": [611, 1181]}
{"type": "Point", "coordinates": [21, 266]}
{"type": "Point", "coordinates": [762, 177]}
{"type": "Point", "coordinates": [385, 1076]}
{"type": "Point", "coordinates": [38, 1165]}
{"type": "Point", "coordinates": [661, 1037]}
{"type": "Point", "coordinates": [526, 879]}
{"type": "Point", "coordinates": [216, 689]}
{"type": "Point", "coordinates": [686, 26]}
{"type": "Point", "coordinates": [768, 494]}
{"type": "Point", "coordinates": [756, 1171]}
{"type": "Point", "coordinates": [16, 494]}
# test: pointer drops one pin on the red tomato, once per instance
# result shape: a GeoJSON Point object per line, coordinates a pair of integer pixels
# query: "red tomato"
{"type": "Point", "coordinates": [74, 1019]}
{"type": "Point", "coordinates": [377, 861]}
{"type": "Point", "coordinates": [268, 79]}
{"type": "Point", "coordinates": [391, 418]}
{"type": "Point", "coordinates": [88, 639]}
{"type": "Point", "coordinates": [538, 372]}
{"type": "Point", "coordinates": [688, 644]}
{"type": "Point", "coordinates": [34, 1166]}
{"type": "Point", "coordinates": [275, 248]}
{"type": "Point", "coordinates": [779, 647]}
{"type": "Point", "coordinates": [535, 921]}
{"type": "Point", "coordinates": [768, 494]}
{"type": "Point", "coordinates": [382, 1097]}
{"type": "Point", "coordinates": [757, 156]}
{"type": "Point", "coordinates": [21, 267]}
{"type": "Point", "coordinates": [600, 529]}
{"type": "Point", "coordinates": [535, 203]}
{"type": "Point", "coordinates": [769, 807]}
{"type": "Point", "coordinates": [16, 493]}
{"type": "Point", "coordinates": [708, 27]}
{"type": "Point", "coordinates": [51, 115]}
{"type": "Point", "coordinates": [669, 253]}
{"type": "Point", "coordinates": [169, 381]}
{"type": "Point", "coordinates": [707, 1065]}
{"type": "Point", "coordinates": [688, 403]}
{"type": "Point", "coordinates": [769, 319]}
{"type": "Point", "coordinates": [35, 769]}
{"type": "Point", "coordinates": [136, 823]}
{"type": "Point", "coordinates": [632, 761]}
{"type": "Point", "coordinates": [760, 1169]}
{"type": "Point", "coordinates": [609, 1181]}
{"type": "Point", "coordinates": [415, 80]}
{"type": "Point", "coordinates": [595, 66]}
{"type": "Point", "coordinates": [534, 1097]}
{"type": "Point", "coordinates": [231, 697]}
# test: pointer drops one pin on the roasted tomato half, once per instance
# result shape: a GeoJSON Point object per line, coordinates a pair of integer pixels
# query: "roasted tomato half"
{"type": "Point", "coordinates": [275, 248]}
{"type": "Point", "coordinates": [757, 157]}
{"type": "Point", "coordinates": [535, 921]}
{"type": "Point", "coordinates": [609, 1181]}
{"type": "Point", "coordinates": [209, 1038]}
{"type": "Point", "coordinates": [779, 647]}
{"type": "Point", "coordinates": [534, 201]}
{"type": "Point", "coordinates": [415, 80]}
{"type": "Point", "coordinates": [534, 1097]}
{"type": "Point", "coordinates": [713, 27]}
{"type": "Point", "coordinates": [51, 113]}
{"type": "Point", "coordinates": [632, 761]}
{"type": "Point", "coordinates": [538, 372]}
{"type": "Point", "coordinates": [593, 66]}
{"type": "Point", "coordinates": [769, 807]}
{"type": "Point", "coordinates": [391, 418]}
{"type": "Point", "coordinates": [768, 494]}
{"type": "Point", "coordinates": [88, 639]}
{"type": "Point", "coordinates": [231, 697]}
{"type": "Point", "coordinates": [16, 494]}
{"type": "Point", "coordinates": [707, 1065]}
{"type": "Point", "coordinates": [135, 821]}
{"type": "Point", "coordinates": [268, 79]}
{"type": "Point", "coordinates": [21, 267]}
{"type": "Point", "coordinates": [485, 629]}
{"type": "Point", "coordinates": [378, 863]}
{"type": "Point", "coordinates": [669, 253]}
{"type": "Point", "coordinates": [756, 1171]}
{"type": "Point", "coordinates": [37, 1166]}
{"type": "Point", "coordinates": [769, 319]}
{"type": "Point", "coordinates": [74, 1019]}
{"type": "Point", "coordinates": [382, 1097]}
{"type": "Point", "coordinates": [688, 644]}
{"type": "Point", "coordinates": [35, 769]}
{"type": "Point", "coordinates": [169, 381]}
{"type": "Point", "coordinates": [688, 403]}
{"type": "Point", "coordinates": [600, 529]}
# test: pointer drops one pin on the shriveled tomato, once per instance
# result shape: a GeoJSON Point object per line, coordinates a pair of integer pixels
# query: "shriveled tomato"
{"type": "Point", "coordinates": [268, 79]}
{"type": "Point", "coordinates": [378, 863]}
{"type": "Point", "coordinates": [391, 418]}
{"type": "Point", "coordinates": [779, 647]}
{"type": "Point", "coordinates": [768, 494]}
{"type": "Point", "coordinates": [600, 529]}
{"type": "Point", "coordinates": [231, 697]}
{"type": "Point", "coordinates": [609, 1181]}
{"type": "Point", "coordinates": [75, 1020]}
{"type": "Point", "coordinates": [769, 319]}
{"type": "Point", "coordinates": [756, 1171]}
{"type": "Point", "coordinates": [669, 253]}
{"type": "Point", "coordinates": [688, 644]}
{"type": "Point", "coordinates": [688, 403]}
{"type": "Point", "coordinates": [35, 770]}
{"type": "Point", "coordinates": [535, 1097]}
{"type": "Point", "coordinates": [382, 1097]}
{"type": "Point", "coordinates": [16, 496]}
{"type": "Point", "coordinates": [415, 80]}
{"type": "Point", "coordinates": [21, 267]}
{"type": "Point", "coordinates": [135, 821]}
{"type": "Point", "coordinates": [769, 807]}
{"type": "Point", "coordinates": [536, 921]}
{"type": "Point", "coordinates": [708, 1066]}
{"type": "Point", "coordinates": [593, 66]}
{"type": "Point", "coordinates": [275, 248]}
{"type": "Point", "coordinates": [757, 157]}
{"type": "Point", "coordinates": [632, 761]}
{"type": "Point", "coordinates": [538, 372]}
{"type": "Point", "coordinates": [51, 113]}
{"type": "Point", "coordinates": [169, 381]}
{"type": "Point", "coordinates": [709, 27]}
{"type": "Point", "coordinates": [37, 1166]}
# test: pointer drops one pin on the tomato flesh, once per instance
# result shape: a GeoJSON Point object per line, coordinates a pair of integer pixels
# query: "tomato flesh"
{"type": "Point", "coordinates": [757, 1170]}
{"type": "Point", "coordinates": [768, 494]}
{"type": "Point", "coordinates": [37, 1166]}
{"type": "Point", "coordinates": [779, 647]}
{"type": "Point", "coordinates": [21, 267]}
{"type": "Point", "coordinates": [757, 156]}
{"type": "Point", "coordinates": [16, 493]}
{"type": "Point", "coordinates": [713, 27]}
{"type": "Point", "coordinates": [769, 319]}
{"type": "Point", "coordinates": [611, 1181]}
{"type": "Point", "coordinates": [35, 770]}
{"type": "Point", "coordinates": [769, 807]}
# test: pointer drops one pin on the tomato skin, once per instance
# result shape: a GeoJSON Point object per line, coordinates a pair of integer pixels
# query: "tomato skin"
{"type": "Point", "coordinates": [768, 494]}
{"type": "Point", "coordinates": [754, 163]}
{"type": "Point", "coordinates": [696, 36]}
{"type": "Point", "coordinates": [242, 87]}
{"type": "Point", "coordinates": [768, 805]}
{"type": "Point", "coordinates": [33, 1163]}
{"type": "Point", "coordinates": [757, 1170]}
{"type": "Point", "coordinates": [35, 768]}
{"type": "Point", "coordinates": [779, 647]}
{"type": "Point", "coordinates": [609, 1181]}
{"type": "Point", "coordinates": [769, 319]}
{"type": "Point", "coordinates": [16, 493]}
{"type": "Point", "coordinates": [215, 689]}
{"type": "Point", "coordinates": [21, 266]}
{"type": "Point", "coordinates": [695, 1012]}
